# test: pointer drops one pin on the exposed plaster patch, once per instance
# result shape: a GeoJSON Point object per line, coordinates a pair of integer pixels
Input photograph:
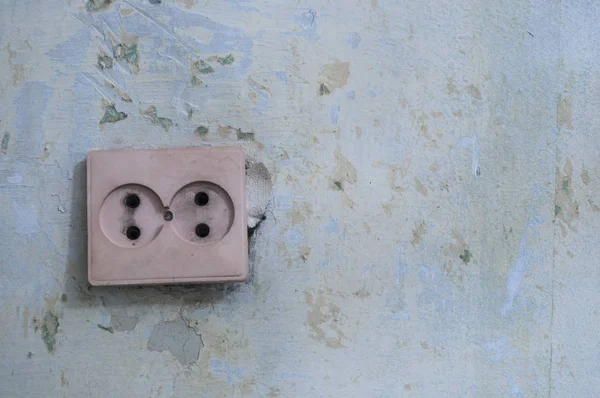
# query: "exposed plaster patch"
{"type": "Point", "coordinates": [259, 187]}
{"type": "Point", "coordinates": [178, 338]}
{"type": "Point", "coordinates": [49, 328]}
{"type": "Point", "coordinates": [152, 115]}
{"type": "Point", "coordinates": [98, 5]}
{"type": "Point", "coordinates": [336, 74]}
{"type": "Point", "coordinates": [111, 115]}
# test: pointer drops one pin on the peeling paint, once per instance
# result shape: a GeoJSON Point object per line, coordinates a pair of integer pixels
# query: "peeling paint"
{"type": "Point", "coordinates": [259, 188]}
{"type": "Point", "coordinates": [201, 131]}
{"type": "Point", "coordinates": [49, 328]}
{"type": "Point", "coordinates": [336, 74]}
{"type": "Point", "coordinates": [105, 61]}
{"type": "Point", "coordinates": [228, 60]}
{"type": "Point", "coordinates": [111, 115]}
{"type": "Point", "coordinates": [178, 338]}
{"type": "Point", "coordinates": [152, 114]}
{"type": "Point", "coordinates": [5, 141]}
{"type": "Point", "coordinates": [98, 5]}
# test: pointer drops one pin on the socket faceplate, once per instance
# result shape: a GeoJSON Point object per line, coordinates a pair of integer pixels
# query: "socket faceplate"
{"type": "Point", "coordinates": [158, 216]}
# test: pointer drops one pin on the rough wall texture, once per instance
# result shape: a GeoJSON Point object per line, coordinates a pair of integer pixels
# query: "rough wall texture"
{"type": "Point", "coordinates": [432, 229]}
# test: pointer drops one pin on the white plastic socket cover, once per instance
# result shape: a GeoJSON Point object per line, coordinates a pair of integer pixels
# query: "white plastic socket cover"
{"type": "Point", "coordinates": [159, 216]}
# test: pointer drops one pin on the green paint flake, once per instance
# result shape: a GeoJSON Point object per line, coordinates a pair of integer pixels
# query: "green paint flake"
{"type": "Point", "coordinates": [97, 5]}
{"type": "Point", "coordinates": [196, 81]}
{"type": "Point", "coordinates": [228, 60]}
{"type": "Point", "coordinates": [152, 114]}
{"type": "Point", "coordinates": [466, 256]}
{"type": "Point", "coordinates": [557, 209]}
{"type": "Point", "coordinates": [338, 185]}
{"type": "Point", "coordinates": [565, 185]}
{"type": "Point", "coordinates": [201, 131]}
{"type": "Point", "coordinates": [202, 67]}
{"type": "Point", "coordinates": [244, 136]}
{"type": "Point", "coordinates": [5, 140]}
{"type": "Point", "coordinates": [104, 61]}
{"type": "Point", "coordinates": [49, 329]}
{"type": "Point", "coordinates": [106, 328]}
{"type": "Point", "coordinates": [323, 90]}
{"type": "Point", "coordinates": [127, 53]}
{"type": "Point", "coordinates": [111, 115]}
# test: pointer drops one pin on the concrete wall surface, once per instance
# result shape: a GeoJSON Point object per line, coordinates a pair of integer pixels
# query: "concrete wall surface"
{"type": "Point", "coordinates": [432, 228]}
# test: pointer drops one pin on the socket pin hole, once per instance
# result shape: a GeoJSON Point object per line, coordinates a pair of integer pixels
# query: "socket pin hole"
{"type": "Point", "coordinates": [133, 232]}
{"type": "Point", "coordinates": [201, 198]}
{"type": "Point", "coordinates": [132, 201]}
{"type": "Point", "coordinates": [168, 215]}
{"type": "Point", "coordinates": [202, 230]}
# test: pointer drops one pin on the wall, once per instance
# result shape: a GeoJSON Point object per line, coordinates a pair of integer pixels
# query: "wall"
{"type": "Point", "coordinates": [431, 228]}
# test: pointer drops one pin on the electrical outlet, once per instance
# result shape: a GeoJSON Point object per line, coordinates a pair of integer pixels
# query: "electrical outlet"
{"type": "Point", "coordinates": [167, 216]}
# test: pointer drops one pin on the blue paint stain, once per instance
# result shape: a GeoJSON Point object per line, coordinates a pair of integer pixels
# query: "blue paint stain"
{"type": "Point", "coordinates": [351, 95]}
{"type": "Point", "coordinates": [333, 227]}
{"type": "Point", "coordinates": [233, 374]}
{"type": "Point", "coordinates": [308, 22]}
{"type": "Point", "coordinates": [25, 217]}
{"type": "Point", "coordinates": [354, 40]}
{"type": "Point", "coordinates": [262, 98]}
{"type": "Point", "coordinates": [372, 93]}
{"type": "Point", "coordinates": [496, 348]}
{"type": "Point", "coordinates": [293, 237]}
{"type": "Point", "coordinates": [401, 269]}
{"type": "Point", "coordinates": [73, 51]}
{"type": "Point", "coordinates": [30, 103]}
{"type": "Point", "coordinates": [282, 76]}
{"type": "Point", "coordinates": [400, 316]}
{"type": "Point", "coordinates": [333, 114]}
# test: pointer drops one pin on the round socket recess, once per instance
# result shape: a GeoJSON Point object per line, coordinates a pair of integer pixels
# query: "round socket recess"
{"type": "Point", "coordinates": [203, 213]}
{"type": "Point", "coordinates": [131, 216]}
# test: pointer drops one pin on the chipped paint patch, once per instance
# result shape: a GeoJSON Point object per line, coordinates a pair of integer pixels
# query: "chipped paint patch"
{"type": "Point", "coordinates": [49, 328]}
{"type": "Point", "coordinates": [98, 5]}
{"type": "Point", "coordinates": [123, 95]}
{"type": "Point", "coordinates": [474, 91]}
{"type": "Point", "coordinates": [228, 60]}
{"type": "Point", "coordinates": [112, 115]}
{"type": "Point", "coordinates": [323, 89]}
{"type": "Point", "coordinates": [201, 131]}
{"type": "Point", "coordinates": [418, 232]}
{"type": "Point", "coordinates": [344, 170]}
{"type": "Point", "coordinates": [466, 256]}
{"type": "Point", "coordinates": [566, 208]}
{"type": "Point", "coordinates": [323, 319]}
{"type": "Point", "coordinates": [105, 61]}
{"type": "Point", "coordinates": [201, 67]}
{"type": "Point", "coordinates": [18, 69]}
{"type": "Point", "coordinates": [336, 74]}
{"type": "Point", "coordinates": [241, 135]}
{"type": "Point", "coordinates": [564, 112]}
{"type": "Point", "coordinates": [178, 338]}
{"type": "Point", "coordinates": [152, 115]}
{"type": "Point", "coordinates": [5, 141]}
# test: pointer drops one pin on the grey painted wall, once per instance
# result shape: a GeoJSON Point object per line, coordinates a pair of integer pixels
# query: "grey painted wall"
{"type": "Point", "coordinates": [432, 229]}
